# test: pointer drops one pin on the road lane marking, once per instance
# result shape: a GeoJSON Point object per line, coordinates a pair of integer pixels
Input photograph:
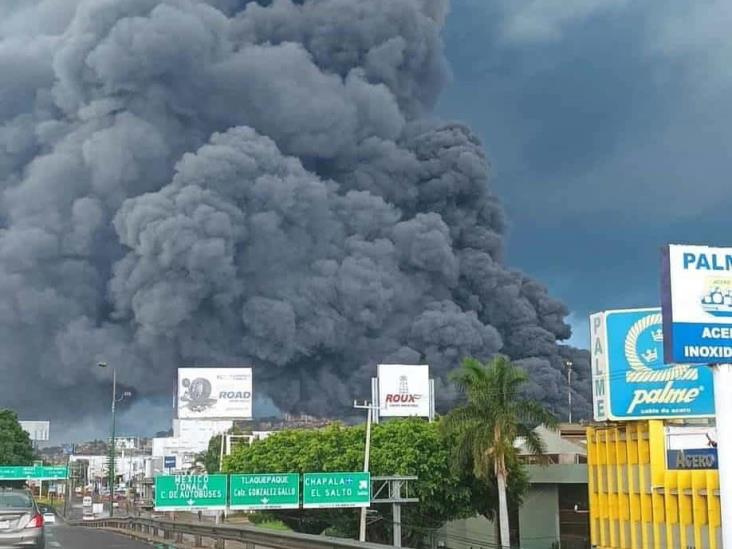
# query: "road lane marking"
{"type": "Point", "coordinates": [54, 544]}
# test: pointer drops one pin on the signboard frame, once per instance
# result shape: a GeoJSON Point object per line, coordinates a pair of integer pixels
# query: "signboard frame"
{"type": "Point", "coordinates": [696, 298]}
{"type": "Point", "coordinates": [289, 501]}
{"type": "Point", "coordinates": [181, 504]}
{"type": "Point", "coordinates": [702, 456]}
{"type": "Point", "coordinates": [33, 472]}
{"type": "Point", "coordinates": [199, 393]}
{"type": "Point", "coordinates": [628, 371]}
{"type": "Point", "coordinates": [321, 502]}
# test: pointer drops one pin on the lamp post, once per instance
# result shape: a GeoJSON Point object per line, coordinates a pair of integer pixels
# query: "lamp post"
{"type": "Point", "coordinates": [113, 443]}
{"type": "Point", "coordinates": [371, 409]}
{"type": "Point", "coordinates": [569, 365]}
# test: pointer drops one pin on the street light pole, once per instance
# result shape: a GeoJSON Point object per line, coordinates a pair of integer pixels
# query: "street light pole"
{"type": "Point", "coordinates": [569, 365]}
{"type": "Point", "coordinates": [370, 408]}
{"type": "Point", "coordinates": [113, 450]}
{"type": "Point", "coordinates": [113, 442]}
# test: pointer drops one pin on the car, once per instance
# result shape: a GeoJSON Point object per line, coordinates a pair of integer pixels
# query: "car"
{"type": "Point", "coordinates": [21, 522]}
{"type": "Point", "coordinates": [49, 515]}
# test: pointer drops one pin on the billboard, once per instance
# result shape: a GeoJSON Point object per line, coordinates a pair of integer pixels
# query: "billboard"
{"type": "Point", "coordinates": [696, 298]}
{"type": "Point", "coordinates": [200, 430]}
{"type": "Point", "coordinates": [629, 377]}
{"type": "Point", "coordinates": [38, 430]}
{"type": "Point", "coordinates": [404, 390]}
{"type": "Point", "coordinates": [208, 393]}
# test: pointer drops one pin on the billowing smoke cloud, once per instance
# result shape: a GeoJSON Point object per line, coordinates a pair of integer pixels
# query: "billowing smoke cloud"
{"type": "Point", "coordinates": [228, 183]}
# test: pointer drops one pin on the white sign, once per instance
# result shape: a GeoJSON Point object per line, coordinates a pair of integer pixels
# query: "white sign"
{"type": "Point", "coordinates": [38, 430]}
{"type": "Point", "coordinates": [598, 352]}
{"type": "Point", "coordinates": [697, 304]}
{"type": "Point", "coordinates": [687, 437]}
{"type": "Point", "coordinates": [215, 393]}
{"type": "Point", "coordinates": [404, 390]}
{"type": "Point", "coordinates": [200, 430]}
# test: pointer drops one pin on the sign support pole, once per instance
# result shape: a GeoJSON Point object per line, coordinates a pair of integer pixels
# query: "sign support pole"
{"type": "Point", "coordinates": [723, 406]}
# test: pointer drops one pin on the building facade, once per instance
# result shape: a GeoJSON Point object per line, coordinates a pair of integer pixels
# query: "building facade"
{"type": "Point", "coordinates": [638, 502]}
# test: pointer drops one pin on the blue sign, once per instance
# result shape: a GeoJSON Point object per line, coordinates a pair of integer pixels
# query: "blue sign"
{"type": "Point", "coordinates": [639, 384]}
{"type": "Point", "coordinates": [169, 462]}
{"type": "Point", "coordinates": [697, 304]}
{"type": "Point", "coordinates": [692, 459]}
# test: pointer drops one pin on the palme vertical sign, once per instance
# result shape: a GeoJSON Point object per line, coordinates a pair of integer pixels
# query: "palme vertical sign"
{"type": "Point", "coordinates": [696, 298]}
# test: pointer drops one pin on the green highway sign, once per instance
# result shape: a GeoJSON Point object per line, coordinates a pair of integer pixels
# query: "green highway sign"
{"type": "Point", "coordinates": [34, 472]}
{"type": "Point", "coordinates": [336, 490]}
{"type": "Point", "coordinates": [186, 492]}
{"type": "Point", "coordinates": [265, 491]}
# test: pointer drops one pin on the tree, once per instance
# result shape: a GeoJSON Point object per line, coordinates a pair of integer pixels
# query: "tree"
{"type": "Point", "coordinates": [399, 447]}
{"type": "Point", "coordinates": [486, 427]}
{"type": "Point", "coordinates": [15, 443]}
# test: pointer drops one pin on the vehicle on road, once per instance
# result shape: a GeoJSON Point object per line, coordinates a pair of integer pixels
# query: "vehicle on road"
{"type": "Point", "coordinates": [49, 515]}
{"type": "Point", "coordinates": [21, 522]}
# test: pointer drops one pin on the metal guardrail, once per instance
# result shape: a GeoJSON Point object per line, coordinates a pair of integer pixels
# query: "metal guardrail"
{"type": "Point", "coordinates": [252, 537]}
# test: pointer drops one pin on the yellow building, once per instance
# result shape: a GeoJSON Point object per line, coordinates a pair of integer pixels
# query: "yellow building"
{"type": "Point", "coordinates": [636, 502]}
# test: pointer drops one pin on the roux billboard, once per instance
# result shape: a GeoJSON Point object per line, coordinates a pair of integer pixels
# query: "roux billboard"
{"type": "Point", "coordinates": [404, 390]}
{"type": "Point", "coordinates": [220, 393]}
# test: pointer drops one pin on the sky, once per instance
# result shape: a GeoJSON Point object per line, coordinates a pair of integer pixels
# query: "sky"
{"type": "Point", "coordinates": [607, 123]}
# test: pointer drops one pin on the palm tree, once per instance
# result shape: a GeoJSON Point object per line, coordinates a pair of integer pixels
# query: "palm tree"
{"type": "Point", "coordinates": [495, 415]}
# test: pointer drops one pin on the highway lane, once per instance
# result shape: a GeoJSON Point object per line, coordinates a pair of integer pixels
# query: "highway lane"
{"type": "Point", "coordinates": [63, 536]}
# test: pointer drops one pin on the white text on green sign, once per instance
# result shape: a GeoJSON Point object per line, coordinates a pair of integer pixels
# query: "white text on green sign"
{"type": "Point", "coordinates": [265, 491]}
{"type": "Point", "coordinates": [336, 490]}
{"type": "Point", "coordinates": [33, 473]}
{"type": "Point", "coordinates": [185, 492]}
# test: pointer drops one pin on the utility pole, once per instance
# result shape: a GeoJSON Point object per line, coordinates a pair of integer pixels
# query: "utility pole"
{"type": "Point", "coordinates": [370, 408]}
{"type": "Point", "coordinates": [113, 446]}
{"type": "Point", "coordinates": [569, 365]}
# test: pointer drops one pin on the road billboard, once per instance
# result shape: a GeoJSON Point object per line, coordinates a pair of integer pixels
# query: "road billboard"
{"type": "Point", "coordinates": [696, 296]}
{"type": "Point", "coordinates": [265, 491]}
{"type": "Point", "coordinates": [189, 492]}
{"type": "Point", "coordinates": [332, 490]}
{"type": "Point", "coordinates": [34, 472]}
{"type": "Point", "coordinates": [404, 390]}
{"type": "Point", "coordinates": [214, 393]}
{"type": "Point", "coordinates": [629, 377]}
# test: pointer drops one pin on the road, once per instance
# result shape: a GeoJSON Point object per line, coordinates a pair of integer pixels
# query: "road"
{"type": "Point", "coordinates": [62, 536]}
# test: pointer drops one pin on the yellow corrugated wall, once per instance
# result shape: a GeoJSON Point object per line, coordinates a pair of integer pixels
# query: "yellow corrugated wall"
{"type": "Point", "coordinates": [636, 503]}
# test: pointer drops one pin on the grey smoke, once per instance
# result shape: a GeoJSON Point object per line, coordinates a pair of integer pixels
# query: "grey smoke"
{"type": "Point", "coordinates": [235, 183]}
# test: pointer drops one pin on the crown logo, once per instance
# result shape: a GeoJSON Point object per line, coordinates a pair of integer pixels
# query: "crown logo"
{"type": "Point", "coordinates": [650, 355]}
{"type": "Point", "coordinates": [657, 335]}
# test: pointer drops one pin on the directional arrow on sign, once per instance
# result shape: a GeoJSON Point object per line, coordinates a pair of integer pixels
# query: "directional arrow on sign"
{"type": "Point", "coordinates": [265, 501]}
{"type": "Point", "coordinates": [190, 502]}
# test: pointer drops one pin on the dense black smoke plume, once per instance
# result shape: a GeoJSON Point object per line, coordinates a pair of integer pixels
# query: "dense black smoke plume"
{"type": "Point", "coordinates": [240, 183]}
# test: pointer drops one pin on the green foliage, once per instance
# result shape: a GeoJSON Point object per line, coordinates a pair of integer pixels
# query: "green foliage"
{"type": "Point", "coordinates": [484, 430]}
{"type": "Point", "coordinates": [15, 444]}
{"type": "Point", "coordinates": [210, 458]}
{"type": "Point", "coordinates": [495, 415]}
{"type": "Point", "coordinates": [399, 447]}
{"type": "Point", "coordinates": [265, 520]}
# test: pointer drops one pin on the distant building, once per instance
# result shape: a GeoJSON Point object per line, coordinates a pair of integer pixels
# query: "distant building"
{"type": "Point", "coordinates": [126, 443]}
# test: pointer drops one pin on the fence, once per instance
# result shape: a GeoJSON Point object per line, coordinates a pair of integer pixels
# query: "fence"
{"type": "Point", "coordinates": [251, 537]}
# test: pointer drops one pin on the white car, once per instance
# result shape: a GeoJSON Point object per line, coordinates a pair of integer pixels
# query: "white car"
{"type": "Point", "coordinates": [49, 517]}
